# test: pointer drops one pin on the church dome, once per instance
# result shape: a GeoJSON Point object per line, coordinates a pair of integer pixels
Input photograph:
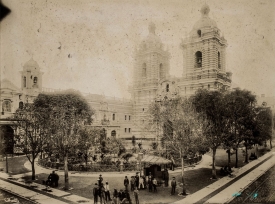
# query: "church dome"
{"type": "Point", "coordinates": [204, 21]}
{"type": "Point", "coordinates": [152, 40]}
{"type": "Point", "coordinates": [31, 64]}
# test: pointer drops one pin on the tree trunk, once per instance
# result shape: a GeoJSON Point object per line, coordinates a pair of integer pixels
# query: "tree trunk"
{"type": "Point", "coordinates": [214, 173]}
{"type": "Point", "coordinates": [229, 157]}
{"type": "Point", "coordinates": [33, 170]}
{"type": "Point", "coordinates": [270, 142]}
{"type": "Point", "coordinates": [66, 172]}
{"type": "Point", "coordinates": [7, 165]}
{"type": "Point", "coordinates": [246, 155]}
{"type": "Point", "coordinates": [236, 163]}
{"type": "Point", "coordinates": [182, 175]}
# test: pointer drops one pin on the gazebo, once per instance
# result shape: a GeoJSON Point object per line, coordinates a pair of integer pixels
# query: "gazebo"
{"type": "Point", "coordinates": [155, 165]}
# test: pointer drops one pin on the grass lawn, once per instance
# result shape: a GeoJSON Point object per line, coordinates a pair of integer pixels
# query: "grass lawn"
{"type": "Point", "coordinates": [222, 158]}
{"type": "Point", "coordinates": [15, 165]}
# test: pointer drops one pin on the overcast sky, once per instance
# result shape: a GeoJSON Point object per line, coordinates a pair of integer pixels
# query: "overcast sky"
{"type": "Point", "coordinates": [100, 37]}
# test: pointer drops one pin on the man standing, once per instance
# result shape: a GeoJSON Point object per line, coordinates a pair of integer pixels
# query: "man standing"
{"type": "Point", "coordinates": [107, 192]}
{"type": "Point", "coordinates": [173, 185]}
{"type": "Point", "coordinates": [155, 184]}
{"type": "Point", "coordinates": [136, 195]}
{"type": "Point", "coordinates": [95, 193]}
{"type": "Point", "coordinates": [133, 181]}
{"type": "Point", "coordinates": [126, 183]}
{"type": "Point", "coordinates": [166, 177]}
{"type": "Point", "coordinates": [137, 180]}
{"type": "Point", "coordinates": [100, 180]}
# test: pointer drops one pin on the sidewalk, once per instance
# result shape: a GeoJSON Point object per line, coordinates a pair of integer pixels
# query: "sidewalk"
{"type": "Point", "coordinates": [222, 190]}
{"type": "Point", "coordinates": [37, 193]}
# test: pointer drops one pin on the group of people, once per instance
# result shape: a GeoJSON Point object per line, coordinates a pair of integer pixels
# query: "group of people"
{"type": "Point", "coordinates": [226, 171]}
{"type": "Point", "coordinates": [52, 180]}
{"type": "Point", "coordinates": [101, 193]}
{"type": "Point", "coordinates": [141, 182]}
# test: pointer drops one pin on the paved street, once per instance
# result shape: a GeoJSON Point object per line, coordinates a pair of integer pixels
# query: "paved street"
{"type": "Point", "coordinates": [260, 191]}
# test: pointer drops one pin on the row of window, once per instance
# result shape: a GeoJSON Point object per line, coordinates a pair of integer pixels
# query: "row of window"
{"type": "Point", "coordinates": [125, 130]}
{"type": "Point", "coordinates": [129, 117]}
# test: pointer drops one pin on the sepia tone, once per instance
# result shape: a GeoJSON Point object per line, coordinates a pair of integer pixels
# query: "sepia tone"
{"type": "Point", "coordinates": [123, 55]}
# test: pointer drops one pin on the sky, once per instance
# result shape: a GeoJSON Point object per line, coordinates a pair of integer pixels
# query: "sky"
{"type": "Point", "coordinates": [89, 45]}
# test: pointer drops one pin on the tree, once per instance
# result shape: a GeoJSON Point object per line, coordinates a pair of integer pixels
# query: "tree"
{"type": "Point", "coordinates": [32, 132]}
{"type": "Point", "coordinates": [211, 105]}
{"type": "Point", "coordinates": [184, 125]}
{"type": "Point", "coordinates": [240, 108]}
{"type": "Point", "coordinates": [87, 138]}
{"type": "Point", "coordinates": [67, 112]}
{"type": "Point", "coordinates": [263, 125]}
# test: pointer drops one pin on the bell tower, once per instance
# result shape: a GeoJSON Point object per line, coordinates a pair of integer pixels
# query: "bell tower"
{"type": "Point", "coordinates": [150, 67]}
{"type": "Point", "coordinates": [31, 80]}
{"type": "Point", "coordinates": [204, 54]}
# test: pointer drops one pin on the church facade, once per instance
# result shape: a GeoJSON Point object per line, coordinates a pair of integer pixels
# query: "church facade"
{"type": "Point", "coordinates": [204, 56]}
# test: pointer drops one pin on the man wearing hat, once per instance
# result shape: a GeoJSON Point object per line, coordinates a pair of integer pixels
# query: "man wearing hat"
{"type": "Point", "coordinates": [100, 182]}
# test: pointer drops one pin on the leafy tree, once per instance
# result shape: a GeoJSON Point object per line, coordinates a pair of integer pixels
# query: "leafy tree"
{"type": "Point", "coordinates": [182, 127]}
{"type": "Point", "coordinates": [263, 126]}
{"type": "Point", "coordinates": [67, 112]}
{"type": "Point", "coordinates": [33, 133]}
{"type": "Point", "coordinates": [240, 106]}
{"type": "Point", "coordinates": [88, 137]}
{"type": "Point", "coordinates": [211, 105]}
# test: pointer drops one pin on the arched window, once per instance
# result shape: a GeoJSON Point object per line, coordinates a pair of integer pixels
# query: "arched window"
{"type": "Point", "coordinates": [25, 81]}
{"type": "Point", "coordinates": [21, 105]}
{"type": "Point", "coordinates": [6, 106]}
{"type": "Point", "coordinates": [114, 116]}
{"type": "Point", "coordinates": [199, 33]}
{"type": "Point", "coordinates": [161, 71]}
{"type": "Point", "coordinates": [167, 87]}
{"type": "Point", "coordinates": [219, 60]}
{"type": "Point", "coordinates": [198, 62]}
{"type": "Point", "coordinates": [113, 133]}
{"type": "Point", "coordinates": [144, 70]}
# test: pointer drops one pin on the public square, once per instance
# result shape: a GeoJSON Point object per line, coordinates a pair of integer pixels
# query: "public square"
{"type": "Point", "coordinates": [137, 102]}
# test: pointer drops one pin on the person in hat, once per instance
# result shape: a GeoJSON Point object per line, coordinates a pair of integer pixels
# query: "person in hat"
{"type": "Point", "coordinates": [95, 193]}
{"type": "Point", "coordinates": [100, 180]}
{"type": "Point", "coordinates": [173, 185]}
{"type": "Point", "coordinates": [126, 183]}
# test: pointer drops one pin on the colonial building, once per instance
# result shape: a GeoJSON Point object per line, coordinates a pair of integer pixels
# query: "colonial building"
{"type": "Point", "coordinates": [204, 56]}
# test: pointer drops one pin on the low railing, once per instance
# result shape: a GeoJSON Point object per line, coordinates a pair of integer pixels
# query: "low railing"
{"type": "Point", "coordinates": [95, 167]}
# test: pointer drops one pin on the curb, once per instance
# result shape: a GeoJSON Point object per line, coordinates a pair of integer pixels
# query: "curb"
{"type": "Point", "coordinates": [249, 183]}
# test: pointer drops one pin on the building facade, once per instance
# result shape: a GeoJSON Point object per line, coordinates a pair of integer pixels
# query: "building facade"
{"type": "Point", "coordinates": [204, 56]}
